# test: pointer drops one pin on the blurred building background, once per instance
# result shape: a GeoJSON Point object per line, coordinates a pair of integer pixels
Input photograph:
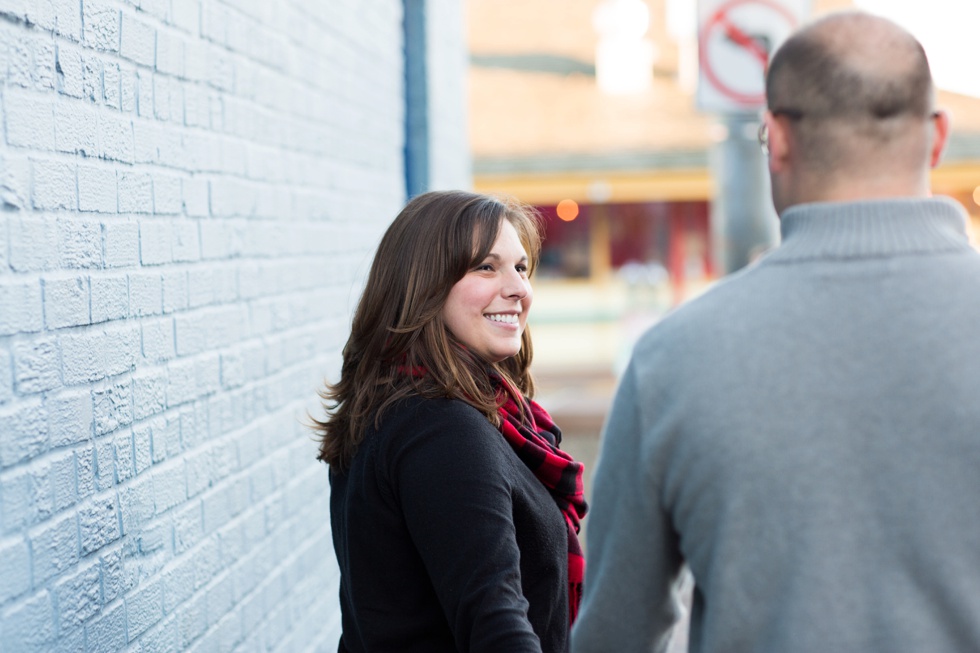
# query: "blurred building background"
{"type": "Point", "coordinates": [621, 164]}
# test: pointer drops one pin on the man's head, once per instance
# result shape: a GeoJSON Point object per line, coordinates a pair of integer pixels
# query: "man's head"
{"type": "Point", "coordinates": [851, 113]}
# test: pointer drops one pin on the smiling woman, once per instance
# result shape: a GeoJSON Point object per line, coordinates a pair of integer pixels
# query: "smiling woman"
{"type": "Point", "coordinates": [487, 309]}
{"type": "Point", "coordinates": [454, 511]}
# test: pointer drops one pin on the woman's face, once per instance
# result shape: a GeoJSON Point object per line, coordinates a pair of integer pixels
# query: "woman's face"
{"type": "Point", "coordinates": [487, 309]}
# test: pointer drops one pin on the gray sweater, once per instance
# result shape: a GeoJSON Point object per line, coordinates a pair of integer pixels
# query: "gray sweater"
{"type": "Point", "coordinates": [806, 438]}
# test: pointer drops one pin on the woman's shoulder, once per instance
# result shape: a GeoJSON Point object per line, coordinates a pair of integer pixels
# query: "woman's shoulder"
{"type": "Point", "coordinates": [423, 413]}
{"type": "Point", "coordinates": [437, 426]}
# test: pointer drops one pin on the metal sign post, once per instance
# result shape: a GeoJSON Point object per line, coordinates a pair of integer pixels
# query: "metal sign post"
{"type": "Point", "coordinates": [735, 40]}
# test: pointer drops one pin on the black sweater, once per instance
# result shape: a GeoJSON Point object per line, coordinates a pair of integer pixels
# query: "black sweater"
{"type": "Point", "coordinates": [446, 541]}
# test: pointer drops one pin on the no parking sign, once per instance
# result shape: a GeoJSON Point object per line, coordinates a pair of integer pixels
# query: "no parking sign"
{"type": "Point", "coordinates": [735, 40]}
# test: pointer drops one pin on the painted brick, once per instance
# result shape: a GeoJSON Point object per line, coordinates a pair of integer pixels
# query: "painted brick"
{"type": "Point", "coordinates": [85, 470]}
{"type": "Point", "coordinates": [79, 243]}
{"type": "Point", "coordinates": [146, 293]}
{"type": "Point", "coordinates": [30, 625]}
{"type": "Point", "coordinates": [127, 89]}
{"type": "Point", "coordinates": [98, 523]}
{"type": "Point", "coordinates": [195, 196]}
{"type": "Point", "coordinates": [135, 192]}
{"type": "Point", "coordinates": [108, 632]}
{"type": "Point", "coordinates": [93, 355]}
{"type": "Point", "coordinates": [54, 185]}
{"type": "Point", "coordinates": [37, 365]}
{"type": "Point", "coordinates": [112, 406]}
{"type": "Point", "coordinates": [110, 297]}
{"type": "Point", "coordinates": [25, 498]}
{"type": "Point", "coordinates": [113, 581]}
{"type": "Point", "coordinates": [44, 65]}
{"type": "Point", "coordinates": [122, 243]}
{"type": "Point", "coordinates": [64, 487]}
{"type": "Point", "coordinates": [20, 306]}
{"type": "Point", "coordinates": [182, 386]}
{"type": "Point", "coordinates": [100, 20]}
{"type": "Point", "coordinates": [162, 637]}
{"type": "Point", "coordinates": [194, 425]}
{"type": "Point", "coordinates": [71, 67]}
{"type": "Point", "coordinates": [165, 439]}
{"type": "Point", "coordinates": [97, 189]}
{"type": "Point", "coordinates": [201, 286]}
{"type": "Point", "coordinates": [15, 572]}
{"type": "Point", "coordinates": [167, 198]}
{"type": "Point", "coordinates": [144, 94]}
{"type": "Point", "coordinates": [55, 548]}
{"type": "Point", "coordinates": [149, 393]}
{"type": "Point", "coordinates": [175, 291]}
{"type": "Point", "coordinates": [92, 78]}
{"type": "Point", "coordinates": [30, 120]}
{"type": "Point", "coordinates": [191, 621]}
{"type": "Point", "coordinates": [112, 85]}
{"type": "Point", "coordinates": [178, 584]}
{"type": "Point", "coordinates": [168, 99]}
{"type": "Point", "coordinates": [169, 487]}
{"type": "Point", "coordinates": [170, 54]}
{"type": "Point", "coordinates": [75, 128]}
{"type": "Point", "coordinates": [79, 596]}
{"type": "Point", "coordinates": [105, 464]}
{"type": "Point", "coordinates": [144, 607]}
{"type": "Point", "coordinates": [197, 106]}
{"type": "Point", "coordinates": [156, 247]}
{"type": "Point", "coordinates": [138, 41]}
{"type": "Point", "coordinates": [6, 376]}
{"type": "Point", "coordinates": [69, 417]}
{"type": "Point", "coordinates": [192, 332]}
{"type": "Point", "coordinates": [136, 503]}
{"type": "Point", "coordinates": [123, 453]}
{"type": "Point", "coordinates": [68, 19]}
{"type": "Point", "coordinates": [15, 190]}
{"type": "Point", "coordinates": [33, 245]}
{"type": "Point", "coordinates": [187, 15]}
{"type": "Point", "coordinates": [116, 137]}
{"type": "Point", "coordinates": [154, 537]}
{"type": "Point", "coordinates": [142, 446]}
{"type": "Point", "coordinates": [158, 340]}
{"type": "Point", "coordinates": [66, 301]}
{"type": "Point", "coordinates": [25, 432]}
{"type": "Point", "coordinates": [188, 529]}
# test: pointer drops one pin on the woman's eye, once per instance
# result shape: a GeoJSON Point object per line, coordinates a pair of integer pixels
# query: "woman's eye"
{"type": "Point", "coordinates": [485, 266]}
{"type": "Point", "coordinates": [522, 269]}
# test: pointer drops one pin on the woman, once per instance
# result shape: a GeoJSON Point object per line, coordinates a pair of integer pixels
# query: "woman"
{"type": "Point", "coordinates": [454, 513]}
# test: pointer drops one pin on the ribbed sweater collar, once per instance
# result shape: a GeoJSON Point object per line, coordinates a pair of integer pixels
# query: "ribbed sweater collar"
{"type": "Point", "coordinates": [871, 228]}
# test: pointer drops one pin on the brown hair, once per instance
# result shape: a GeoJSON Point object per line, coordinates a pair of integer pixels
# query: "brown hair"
{"type": "Point", "coordinates": [398, 330]}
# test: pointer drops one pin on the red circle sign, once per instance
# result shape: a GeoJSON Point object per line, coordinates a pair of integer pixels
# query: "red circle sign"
{"type": "Point", "coordinates": [721, 21]}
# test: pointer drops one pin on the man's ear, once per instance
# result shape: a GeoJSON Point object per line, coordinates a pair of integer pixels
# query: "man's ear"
{"type": "Point", "coordinates": [780, 143]}
{"type": "Point", "coordinates": [940, 134]}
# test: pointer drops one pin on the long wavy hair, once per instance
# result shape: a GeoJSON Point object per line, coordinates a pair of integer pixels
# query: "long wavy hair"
{"type": "Point", "coordinates": [399, 344]}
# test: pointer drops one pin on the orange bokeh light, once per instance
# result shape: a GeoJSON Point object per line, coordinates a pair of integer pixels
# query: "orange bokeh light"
{"type": "Point", "coordinates": [567, 210]}
{"type": "Point", "coordinates": [976, 195]}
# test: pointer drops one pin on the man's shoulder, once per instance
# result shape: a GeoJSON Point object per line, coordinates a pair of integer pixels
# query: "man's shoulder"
{"type": "Point", "coordinates": [720, 305]}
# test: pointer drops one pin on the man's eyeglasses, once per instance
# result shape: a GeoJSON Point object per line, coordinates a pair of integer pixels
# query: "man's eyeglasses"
{"type": "Point", "coordinates": [792, 114]}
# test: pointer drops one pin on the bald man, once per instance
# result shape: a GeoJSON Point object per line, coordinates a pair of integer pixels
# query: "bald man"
{"type": "Point", "coordinates": [805, 437]}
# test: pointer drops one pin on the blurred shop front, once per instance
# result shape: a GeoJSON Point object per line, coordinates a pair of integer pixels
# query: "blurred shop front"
{"type": "Point", "coordinates": [639, 243]}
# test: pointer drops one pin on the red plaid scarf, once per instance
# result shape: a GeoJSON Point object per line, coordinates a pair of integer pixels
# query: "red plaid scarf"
{"type": "Point", "coordinates": [535, 438]}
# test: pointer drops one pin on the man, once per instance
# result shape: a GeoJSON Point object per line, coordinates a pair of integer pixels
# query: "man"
{"type": "Point", "coordinates": [805, 437]}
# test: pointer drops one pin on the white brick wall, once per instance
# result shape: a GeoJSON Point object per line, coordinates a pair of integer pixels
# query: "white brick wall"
{"type": "Point", "coordinates": [190, 192]}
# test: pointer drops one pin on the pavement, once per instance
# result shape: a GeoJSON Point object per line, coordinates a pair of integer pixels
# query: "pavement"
{"type": "Point", "coordinates": [583, 334]}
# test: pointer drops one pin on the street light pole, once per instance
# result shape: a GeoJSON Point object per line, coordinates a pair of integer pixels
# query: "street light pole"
{"type": "Point", "coordinates": [743, 221]}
